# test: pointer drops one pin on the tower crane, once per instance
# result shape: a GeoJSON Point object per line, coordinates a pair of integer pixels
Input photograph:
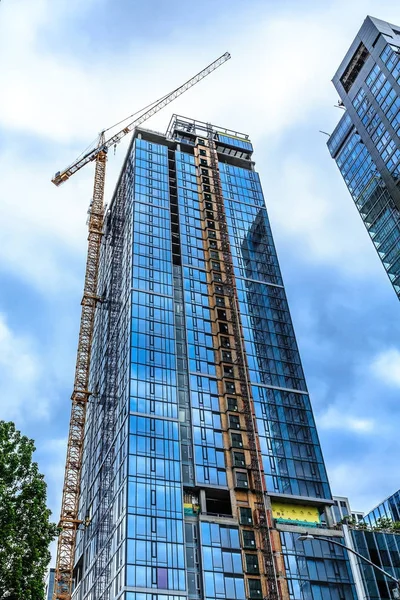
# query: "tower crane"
{"type": "Point", "coordinates": [69, 518]}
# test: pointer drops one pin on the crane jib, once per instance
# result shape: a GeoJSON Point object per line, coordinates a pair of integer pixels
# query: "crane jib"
{"type": "Point", "coordinates": [62, 176]}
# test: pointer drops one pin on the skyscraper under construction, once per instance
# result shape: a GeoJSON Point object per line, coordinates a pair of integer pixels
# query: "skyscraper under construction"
{"type": "Point", "coordinates": [202, 464]}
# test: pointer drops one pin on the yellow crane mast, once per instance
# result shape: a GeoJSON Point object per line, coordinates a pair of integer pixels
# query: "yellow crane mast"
{"type": "Point", "coordinates": [69, 521]}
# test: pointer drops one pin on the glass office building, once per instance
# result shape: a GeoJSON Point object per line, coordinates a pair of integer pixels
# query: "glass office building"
{"type": "Point", "coordinates": [382, 546]}
{"type": "Point", "coordinates": [366, 141]}
{"type": "Point", "coordinates": [202, 463]}
{"type": "Point", "coordinates": [383, 549]}
{"type": "Point", "coordinates": [377, 540]}
{"type": "Point", "coordinates": [341, 511]}
{"type": "Point", "coordinates": [49, 588]}
{"type": "Point", "coordinates": [388, 509]}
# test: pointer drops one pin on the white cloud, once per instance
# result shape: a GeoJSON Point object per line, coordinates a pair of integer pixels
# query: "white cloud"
{"type": "Point", "coordinates": [277, 76]}
{"type": "Point", "coordinates": [366, 480]}
{"type": "Point", "coordinates": [43, 229]}
{"type": "Point", "coordinates": [20, 373]}
{"type": "Point", "coordinates": [53, 102]}
{"type": "Point", "coordinates": [316, 218]}
{"type": "Point", "coordinates": [54, 450]}
{"type": "Point", "coordinates": [276, 79]}
{"type": "Point", "coordinates": [386, 367]}
{"type": "Point", "coordinates": [51, 457]}
{"type": "Point", "coordinates": [272, 81]}
{"type": "Point", "coordinates": [335, 418]}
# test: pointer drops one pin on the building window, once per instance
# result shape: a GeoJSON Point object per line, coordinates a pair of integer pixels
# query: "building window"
{"type": "Point", "coordinates": [252, 564]}
{"type": "Point", "coordinates": [238, 458]}
{"type": "Point", "coordinates": [249, 540]}
{"type": "Point", "coordinates": [237, 441]}
{"type": "Point", "coordinates": [203, 161]}
{"type": "Point", "coordinates": [255, 590]}
{"type": "Point", "coordinates": [206, 173]}
{"type": "Point", "coordinates": [242, 480]}
{"type": "Point", "coordinates": [220, 300]}
{"type": "Point", "coordinates": [230, 387]}
{"type": "Point", "coordinates": [234, 422]}
{"type": "Point", "coordinates": [225, 342]}
{"type": "Point", "coordinates": [353, 69]}
{"type": "Point", "coordinates": [232, 404]}
{"type": "Point", "coordinates": [226, 356]}
{"type": "Point", "coordinates": [228, 371]}
{"type": "Point", "coordinates": [245, 517]}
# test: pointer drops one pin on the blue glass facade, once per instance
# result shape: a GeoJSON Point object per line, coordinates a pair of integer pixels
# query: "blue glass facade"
{"type": "Point", "coordinates": [292, 457]}
{"type": "Point", "coordinates": [388, 509]}
{"type": "Point", "coordinates": [316, 569]}
{"type": "Point", "coordinates": [383, 549]}
{"type": "Point", "coordinates": [376, 537]}
{"type": "Point", "coordinates": [223, 568]}
{"type": "Point", "coordinates": [212, 423]}
{"type": "Point", "coordinates": [366, 142]}
{"type": "Point", "coordinates": [50, 584]}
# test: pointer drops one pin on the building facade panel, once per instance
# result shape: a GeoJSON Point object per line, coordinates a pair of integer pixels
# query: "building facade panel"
{"type": "Point", "coordinates": [383, 549]}
{"type": "Point", "coordinates": [316, 569]}
{"type": "Point", "coordinates": [375, 536]}
{"type": "Point", "coordinates": [389, 510]}
{"type": "Point", "coordinates": [202, 464]}
{"type": "Point", "coordinates": [366, 142]}
{"type": "Point", "coordinates": [292, 459]}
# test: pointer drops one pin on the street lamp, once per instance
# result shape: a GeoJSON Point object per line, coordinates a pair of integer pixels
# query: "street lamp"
{"type": "Point", "coordinates": [307, 536]}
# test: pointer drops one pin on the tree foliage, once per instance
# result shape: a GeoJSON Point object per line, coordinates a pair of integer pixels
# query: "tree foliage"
{"type": "Point", "coordinates": [384, 524]}
{"type": "Point", "coordinates": [25, 528]}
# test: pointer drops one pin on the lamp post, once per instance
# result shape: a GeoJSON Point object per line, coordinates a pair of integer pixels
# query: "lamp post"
{"type": "Point", "coordinates": [308, 536]}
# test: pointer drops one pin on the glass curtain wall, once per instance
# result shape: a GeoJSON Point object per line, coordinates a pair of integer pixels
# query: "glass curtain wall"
{"type": "Point", "coordinates": [292, 458]}
{"type": "Point", "coordinates": [181, 524]}
{"type": "Point", "coordinates": [366, 142]}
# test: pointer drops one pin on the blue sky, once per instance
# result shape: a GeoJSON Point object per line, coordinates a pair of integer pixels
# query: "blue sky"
{"type": "Point", "coordinates": [69, 69]}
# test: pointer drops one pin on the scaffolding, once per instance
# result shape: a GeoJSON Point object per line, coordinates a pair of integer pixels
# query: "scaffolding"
{"type": "Point", "coordinates": [69, 521]}
{"type": "Point", "coordinates": [72, 482]}
{"type": "Point", "coordinates": [256, 469]}
{"type": "Point", "coordinates": [109, 400]}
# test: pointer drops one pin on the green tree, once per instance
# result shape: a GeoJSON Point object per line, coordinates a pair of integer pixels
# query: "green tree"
{"type": "Point", "coordinates": [396, 526]}
{"type": "Point", "coordinates": [349, 520]}
{"type": "Point", "coordinates": [384, 523]}
{"type": "Point", "coordinates": [25, 527]}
